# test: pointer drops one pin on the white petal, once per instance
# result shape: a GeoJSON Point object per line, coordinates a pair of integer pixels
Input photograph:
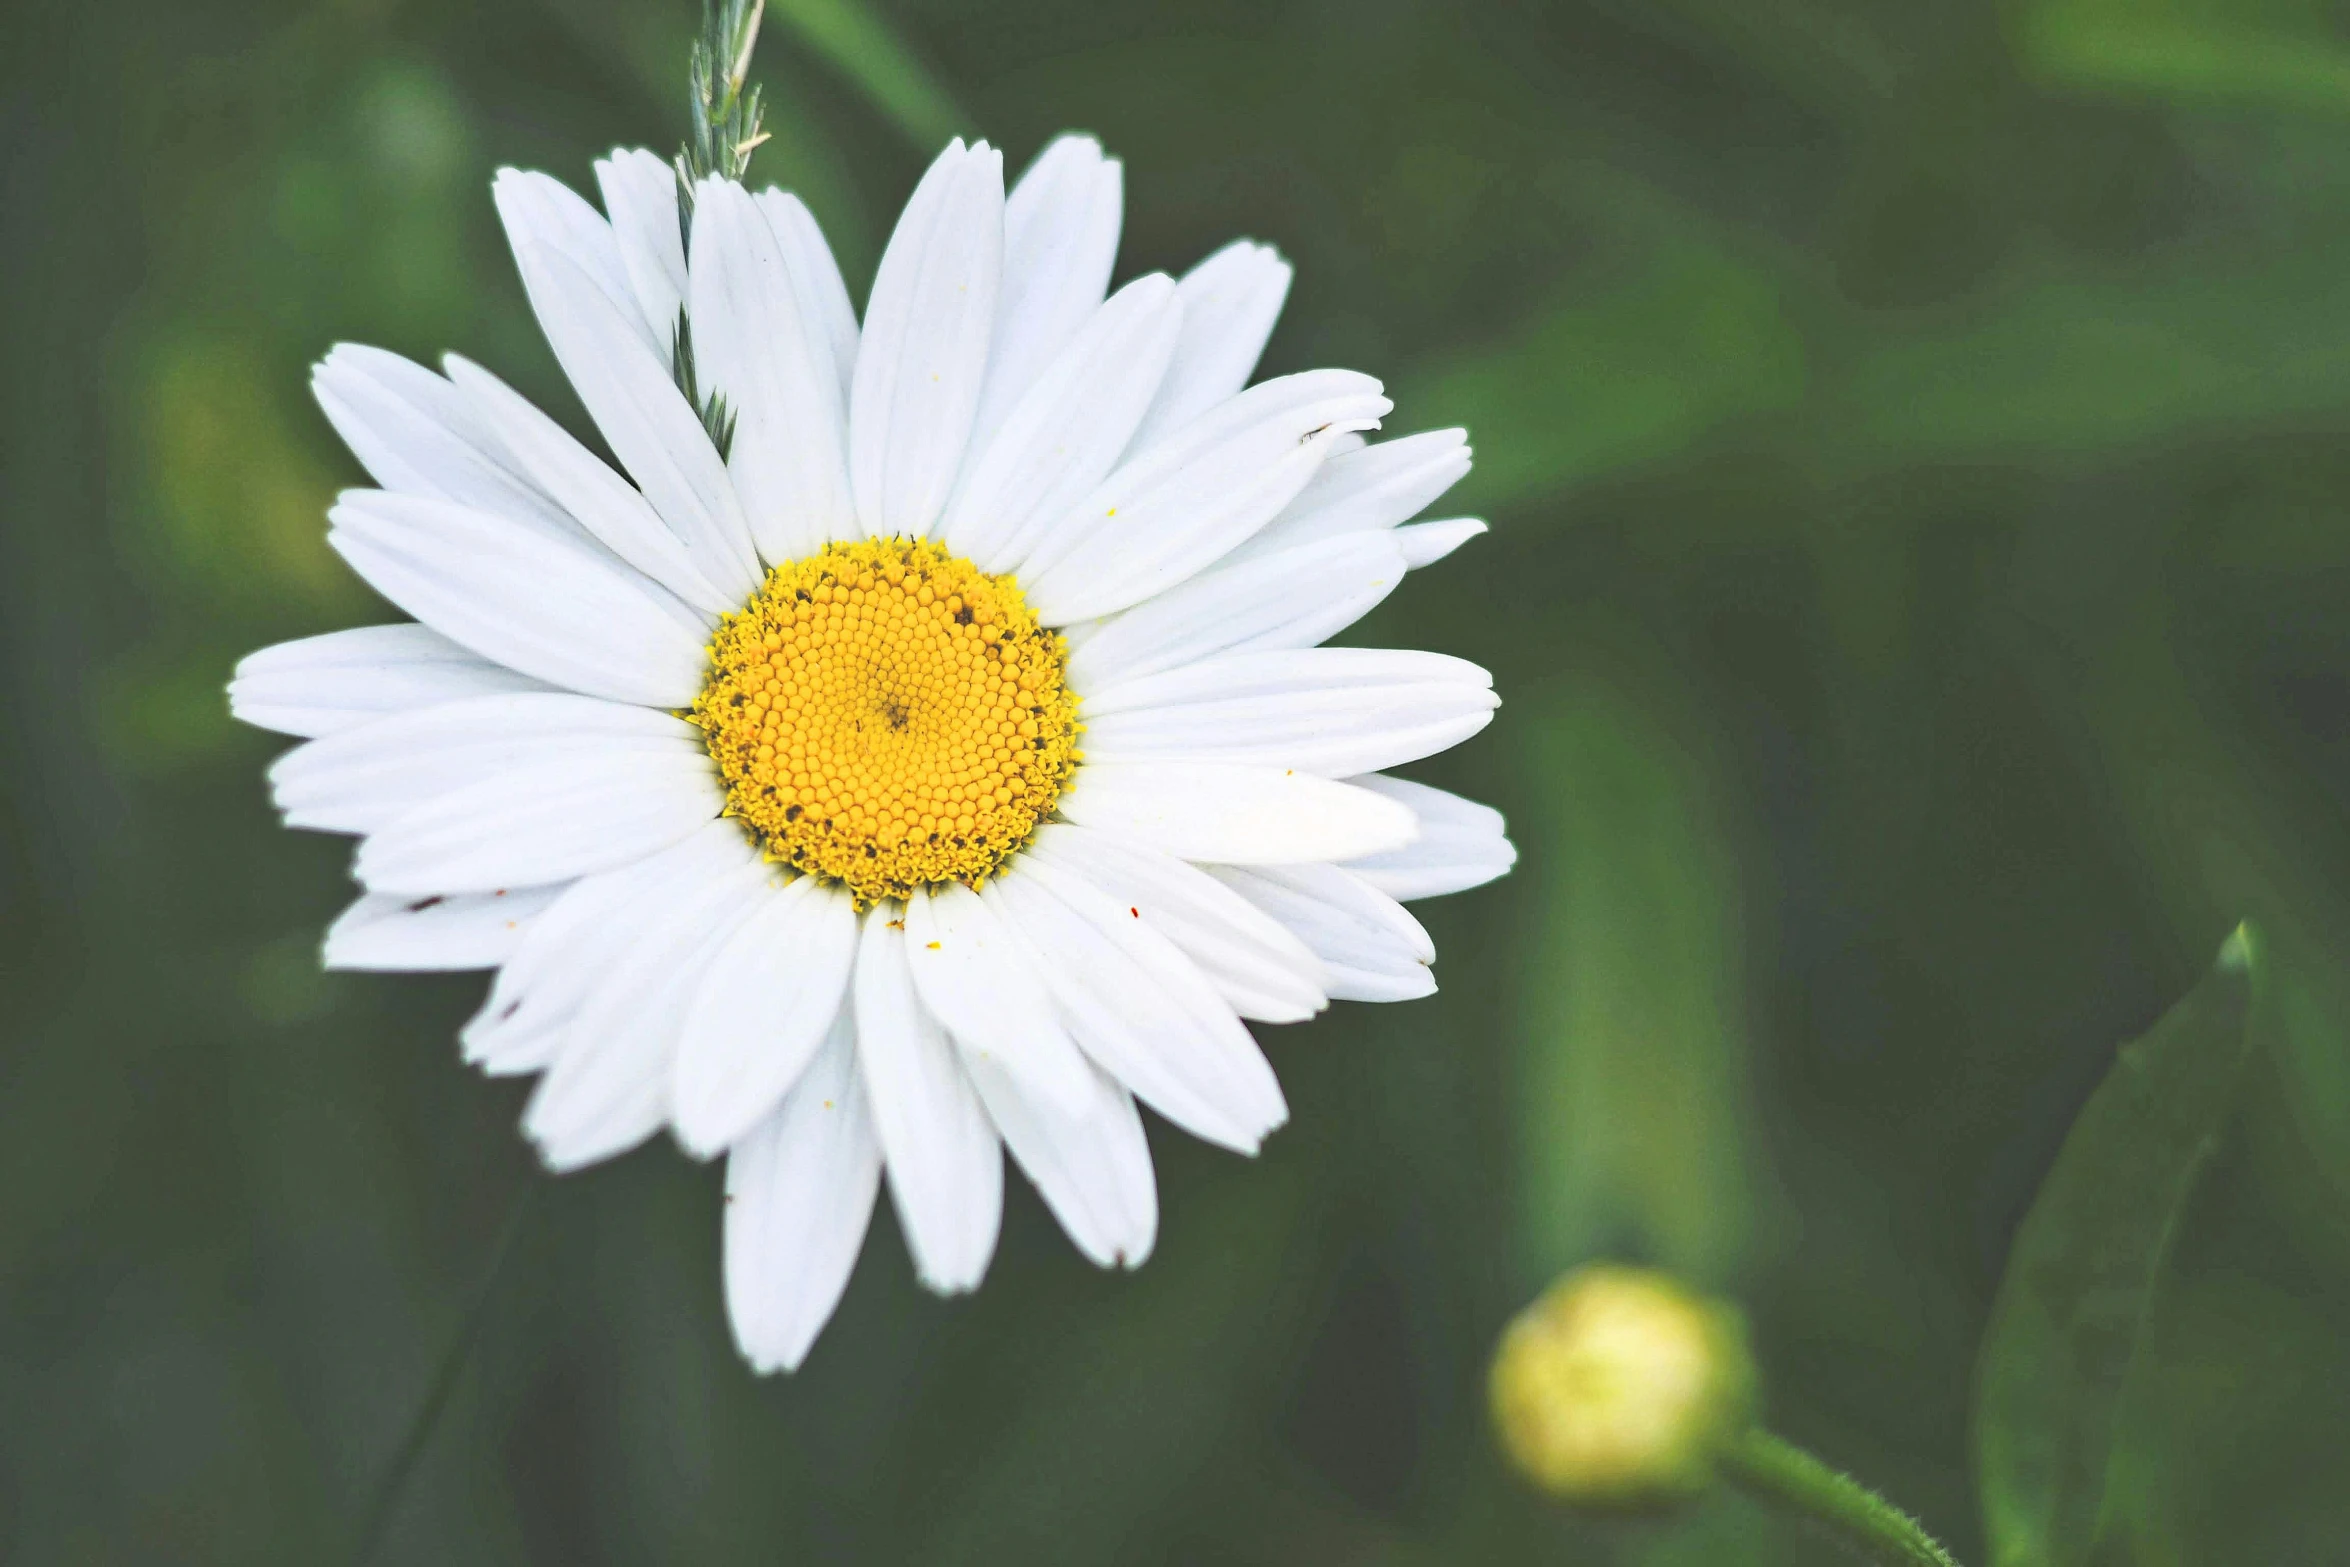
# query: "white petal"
{"type": "Point", "coordinates": [1426, 543]}
{"type": "Point", "coordinates": [593, 498]}
{"type": "Point", "coordinates": [640, 192]}
{"type": "Point", "coordinates": [552, 611]}
{"type": "Point", "coordinates": [1236, 815]}
{"type": "Point", "coordinates": [924, 353]}
{"type": "Point", "coordinates": [1461, 845]}
{"type": "Point", "coordinates": [766, 1001]}
{"type": "Point", "coordinates": [1196, 494]}
{"type": "Point", "coordinates": [626, 386]}
{"type": "Point", "coordinates": [1333, 711]}
{"type": "Point", "coordinates": [1281, 671]}
{"type": "Point", "coordinates": [418, 435]}
{"type": "Point", "coordinates": [1143, 1010]}
{"type": "Point", "coordinates": [1253, 430]}
{"type": "Point", "coordinates": [946, 1165]}
{"type": "Point", "coordinates": [1257, 966]}
{"type": "Point", "coordinates": [364, 777]}
{"type": "Point", "coordinates": [607, 1087]}
{"type": "Point", "coordinates": [1293, 599]}
{"type": "Point", "coordinates": [1068, 432]}
{"type": "Point", "coordinates": [542, 211]}
{"type": "Point", "coordinates": [1374, 488]}
{"type": "Point", "coordinates": [1092, 1167]}
{"type": "Point", "coordinates": [434, 933]}
{"type": "Point", "coordinates": [570, 947]}
{"type": "Point", "coordinates": [1230, 302]}
{"type": "Point", "coordinates": [1060, 238]}
{"type": "Point", "coordinates": [799, 1195]}
{"type": "Point", "coordinates": [319, 685]}
{"type": "Point", "coordinates": [815, 278]}
{"type": "Point", "coordinates": [975, 978]}
{"type": "Point", "coordinates": [543, 821]}
{"type": "Point", "coordinates": [1372, 948]}
{"type": "Point", "coordinates": [755, 346]}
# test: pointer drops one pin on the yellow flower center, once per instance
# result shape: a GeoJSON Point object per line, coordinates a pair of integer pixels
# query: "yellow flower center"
{"type": "Point", "coordinates": [890, 717]}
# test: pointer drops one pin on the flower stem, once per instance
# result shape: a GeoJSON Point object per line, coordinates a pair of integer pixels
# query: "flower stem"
{"type": "Point", "coordinates": [725, 132]}
{"type": "Point", "coordinates": [1784, 1476]}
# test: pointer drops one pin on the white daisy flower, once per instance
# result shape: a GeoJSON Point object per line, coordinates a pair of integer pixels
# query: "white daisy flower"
{"type": "Point", "coordinates": [944, 766]}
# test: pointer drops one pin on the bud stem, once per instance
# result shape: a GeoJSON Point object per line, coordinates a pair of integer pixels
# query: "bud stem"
{"type": "Point", "coordinates": [1784, 1476]}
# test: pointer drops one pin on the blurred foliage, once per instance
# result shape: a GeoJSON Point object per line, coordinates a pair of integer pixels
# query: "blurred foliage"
{"type": "Point", "coordinates": [2290, 53]}
{"type": "Point", "coordinates": [2068, 1331]}
{"type": "Point", "coordinates": [1913, 434]}
{"type": "Point", "coordinates": [1633, 1121]}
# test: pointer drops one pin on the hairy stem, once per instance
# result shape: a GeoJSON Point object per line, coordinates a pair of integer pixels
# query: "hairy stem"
{"type": "Point", "coordinates": [1785, 1477]}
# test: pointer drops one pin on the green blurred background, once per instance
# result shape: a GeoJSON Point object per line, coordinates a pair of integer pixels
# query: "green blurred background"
{"type": "Point", "coordinates": [1920, 586]}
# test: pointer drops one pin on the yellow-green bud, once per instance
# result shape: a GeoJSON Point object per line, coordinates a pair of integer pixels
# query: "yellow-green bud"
{"type": "Point", "coordinates": [1618, 1387]}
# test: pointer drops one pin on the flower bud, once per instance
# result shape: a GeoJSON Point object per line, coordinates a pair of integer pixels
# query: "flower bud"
{"type": "Point", "coordinates": [1617, 1388]}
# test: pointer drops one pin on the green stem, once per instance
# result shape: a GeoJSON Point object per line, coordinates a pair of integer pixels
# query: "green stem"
{"type": "Point", "coordinates": [1786, 1477]}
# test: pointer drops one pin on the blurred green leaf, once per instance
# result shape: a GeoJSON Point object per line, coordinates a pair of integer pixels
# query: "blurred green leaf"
{"type": "Point", "coordinates": [162, 707]}
{"type": "Point", "coordinates": [2284, 52]}
{"type": "Point", "coordinates": [2311, 1043]}
{"type": "Point", "coordinates": [2062, 1354]}
{"type": "Point", "coordinates": [864, 48]}
{"type": "Point", "coordinates": [2074, 364]}
{"type": "Point", "coordinates": [2237, 1409]}
{"type": "Point", "coordinates": [1632, 1123]}
{"type": "Point", "coordinates": [234, 486]}
{"type": "Point", "coordinates": [1676, 337]}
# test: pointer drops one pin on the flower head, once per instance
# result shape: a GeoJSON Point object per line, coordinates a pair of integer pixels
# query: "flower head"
{"type": "Point", "coordinates": [922, 747]}
{"type": "Point", "coordinates": [1618, 1388]}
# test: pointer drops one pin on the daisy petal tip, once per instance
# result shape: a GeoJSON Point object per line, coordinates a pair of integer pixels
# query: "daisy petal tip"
{"type": "Point", "coordinates": [775, 1336]}
{"type": "Point", "coordinates": [707, 1116]}
{"type": "Point", "coordinates": [338, 359]}
{"type": "Point", "coordinates": [946, 1286]}
{"type": "Point", "coordinates": [1132, 1257]}
{"type": "Point", "coordinates": [1253, 1147]}
{"type": "Point", "coordinates": [701, 1130]}
{"type": "Point", "coordinates": [792, 1354]}
{"type": "Point", "coordinates": [1426, 543]}
{"type": "Point", "coordinates": [511, 191]}
{"type": "Point", "coordinates": [768, 1358]}
{"type": "Point", "coordinates": [552, 1159]}
{"type": "Point", "coordinates": [1250, 1146]}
